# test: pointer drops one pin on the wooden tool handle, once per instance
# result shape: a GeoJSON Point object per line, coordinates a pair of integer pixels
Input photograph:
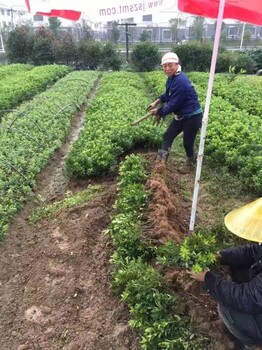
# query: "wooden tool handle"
{"type": "Point", "coordinates": [141, 119]}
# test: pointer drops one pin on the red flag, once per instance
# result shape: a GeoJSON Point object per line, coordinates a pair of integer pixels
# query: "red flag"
{"type": "Point", "coordinates": [67, 14]}
{"type": "Point", "coordinates": [243, 10]}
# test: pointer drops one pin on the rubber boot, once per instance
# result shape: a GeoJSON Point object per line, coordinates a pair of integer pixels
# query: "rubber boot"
{"type": "Point", "coordinates": [188, 167]}
{"type": "Point", "coordinates": [163, 155]}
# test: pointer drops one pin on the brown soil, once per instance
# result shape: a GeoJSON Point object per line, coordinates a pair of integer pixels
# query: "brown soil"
{"type": "Point", "coordinates": [168, 211]}
{"type": "Point", "coordinates": [168, 218]}
{"type": "Point", "coordinates": [55, 276]}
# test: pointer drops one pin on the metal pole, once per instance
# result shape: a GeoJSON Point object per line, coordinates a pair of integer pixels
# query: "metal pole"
{"type": "Point", "coordinates": [2, 48]}
{"type": "Point", "coordinates": [127, 34]}
{"type": "Point", "coordinates": [12, 18]}
{"type": "Point", "coordinates": [206, 112]}
{"type": "Point", "coordinates": [242, 36]}
{"type": "Point", "coordinates": [126, 25]}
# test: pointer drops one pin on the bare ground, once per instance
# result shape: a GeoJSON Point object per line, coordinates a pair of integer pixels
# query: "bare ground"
{"type": "Point", "coordinates": [55, 276]}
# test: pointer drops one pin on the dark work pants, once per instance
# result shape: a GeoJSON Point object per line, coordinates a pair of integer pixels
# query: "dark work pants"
{"type": "Point", "coordinates": [246, 328]}
{"type": "Point", "coordinates": [189, 127]}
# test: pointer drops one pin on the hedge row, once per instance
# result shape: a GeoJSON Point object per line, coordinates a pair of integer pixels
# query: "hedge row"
{"type": "Point", "coordinates": [30, 136]}
{"type": "Point", "coordinates": [23, 86]}
{"type": "Point", "coordinates": [107, 132]}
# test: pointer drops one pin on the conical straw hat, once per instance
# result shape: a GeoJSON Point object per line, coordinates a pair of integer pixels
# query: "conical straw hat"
{"type": "Point", "coordinates": [246, 222]}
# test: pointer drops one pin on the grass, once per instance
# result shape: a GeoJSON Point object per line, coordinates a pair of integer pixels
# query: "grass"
{"type": "Point", "coordinates": [50, 210]}
{"type": "Point", "coordinates": [220, 192]}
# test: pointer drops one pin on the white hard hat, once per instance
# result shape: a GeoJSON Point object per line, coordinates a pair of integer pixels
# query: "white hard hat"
{"type": "Point", "coordinates": [169, 57]}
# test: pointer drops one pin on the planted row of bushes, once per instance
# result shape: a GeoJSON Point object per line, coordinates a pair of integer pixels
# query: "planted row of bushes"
{"type": "Point", "coordinates": [13, 69]}
{"type": "Point", "coordinates": [244, 92]}
{"type": "Point", "coordinates": [153, 309]}
{"type": "Point", "coordinates": [30, 136]}
{"type": "Point", "coordinates": [16, 88]}
{"type": "Point", "coordinates": [107, 131]}
{"type": "Point", "coordinates": [234, 139]}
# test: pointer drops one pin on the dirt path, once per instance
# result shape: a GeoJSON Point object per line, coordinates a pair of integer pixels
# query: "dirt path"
{"type": "Point", "coordinates": [55, 279]}
{"type": "Point", "coordinates": [55, 276]}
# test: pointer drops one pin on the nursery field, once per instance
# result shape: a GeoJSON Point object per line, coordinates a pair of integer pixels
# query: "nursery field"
{"type": "Point", "coordinates": [94, 245]}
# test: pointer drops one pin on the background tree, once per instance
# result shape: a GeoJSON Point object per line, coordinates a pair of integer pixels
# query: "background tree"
{"type": "Point", "coordinates": [44, 47]}
{"type": "Point", "coordinates": [174, 29]}
{"type": "Point", "coordinates": [247, 37]}
{"type": "Point", "coordinates": [89, 53]}
{"type": "Point", "coordinates": [145, 36]}
{"type": "Point", "coordinates": [223, 36]}
{"type": "Point", "coordinates": [198, 28]}
{"type": "Point", "coordinates": [111, 59]}
{"type": "Point", "coordinates": [65, 49]}
{"type": "Point", "coordinates": [5, 30]}
{"type": "Point", "coordinates": [19, 45]}
{"type": "Point", "coordinates": [145, 57]}
{"type": "Point", "coordinates": [54, 25]}
{"type": "Point", "coordinates": [87, 33]}
{"type": "Point", "coordinates": [115, 33]}
{"type": "Point", "coordinates": [256, 55]}
{"type": "Point", "coordinates": [194, 56]}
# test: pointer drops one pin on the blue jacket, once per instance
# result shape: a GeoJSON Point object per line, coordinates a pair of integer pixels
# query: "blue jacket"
{"type": "Point", "coordinates": [180, 97]}
{"type": "Point", "coordinates": [244, 297]}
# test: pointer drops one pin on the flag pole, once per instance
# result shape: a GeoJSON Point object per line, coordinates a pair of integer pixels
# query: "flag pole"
{"type": "Point", "coordinates": [206, 112]}
{"type": "Point", "coordinates": [242, 35]}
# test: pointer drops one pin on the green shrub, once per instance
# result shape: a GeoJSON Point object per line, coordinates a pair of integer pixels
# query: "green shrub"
{"type": "Point", "coordinates": [197, 252]}
{"type": "Point", "coordinates": [111, 59]}
{"type": "Point", "coordinates": [145, 57]}
{"type": "Point", "coordinates": [43, 49]}
{"type": "Point", "coordinates": [65, 49]}
{"type": "Point", "coordinates": [90, 52]}
{"type": "Point", "coordinates": [236, 59]}
{"type": "Point", "coordinates": [194, 56]}
{"type": "Point", "coordinates": [19, 45]}
{"type": "Point", "coordinates": [256, 55]}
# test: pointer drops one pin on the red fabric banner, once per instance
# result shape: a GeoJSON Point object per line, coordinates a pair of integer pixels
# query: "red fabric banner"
{"type": "Point", "coordinates": [242, 10]}
{"type": "Point", "coordinates": [67, 14]}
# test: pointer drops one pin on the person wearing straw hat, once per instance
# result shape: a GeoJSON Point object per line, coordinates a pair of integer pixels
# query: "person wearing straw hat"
{"type": "Point", "coordinates": [181, 99]}
{"type": "Point", "coordinates": [240, 299]}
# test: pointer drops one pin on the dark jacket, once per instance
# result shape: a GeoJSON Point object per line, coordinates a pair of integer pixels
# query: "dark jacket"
{"type": "Point", "coordinates": [242, 297]}
{"type": "Point", "coordinates": [180, 97]}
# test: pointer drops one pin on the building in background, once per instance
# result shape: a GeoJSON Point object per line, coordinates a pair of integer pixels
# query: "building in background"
{"type": "Point", "coordinates": [10, 17]}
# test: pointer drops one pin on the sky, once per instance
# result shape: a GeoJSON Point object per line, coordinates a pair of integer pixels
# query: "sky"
{"type": "Point", "coordinates": [14, 3]}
